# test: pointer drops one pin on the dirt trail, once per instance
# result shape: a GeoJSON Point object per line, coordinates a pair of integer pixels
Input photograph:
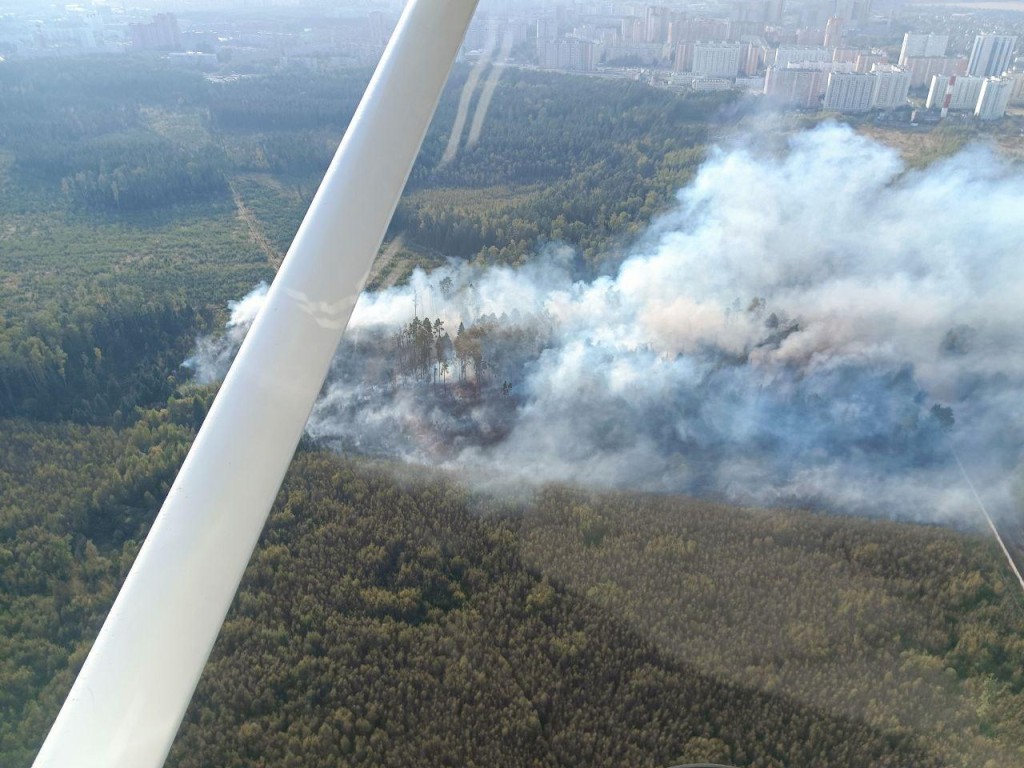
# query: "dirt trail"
{"type": "Point", "coordinates": [256, 230]}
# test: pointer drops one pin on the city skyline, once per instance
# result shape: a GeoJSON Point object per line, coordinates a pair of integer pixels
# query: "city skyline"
{"type": "Point", "coordinates": [736, 44]}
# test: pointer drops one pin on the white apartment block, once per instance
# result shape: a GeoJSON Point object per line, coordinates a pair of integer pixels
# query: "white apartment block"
{"type": "Point", "coordinates": [995, 95]}
{"type": "Point", "coordinates": [1017, 93]}
{"type": "Point", "coordinates": [849, 92]}
{"type": "Point", "coordinates": [966, 90]}
{"type": "Point", "coordinates": [991, 55]}
{"type": "Point", "coordinates": [798, 54]}
{"type": "Point", "coordinates": [717, 59]}
{"type": "Point", "coordinates": [796, 87]}
{"type": "Point", "coordinates": [892, 84]}
{"type": "Point", "coordinates": [922, 46]}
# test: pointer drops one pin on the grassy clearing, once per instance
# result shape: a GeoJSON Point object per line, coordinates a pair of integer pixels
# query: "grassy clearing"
{"type": "Point", "coordinates": [187, 127]}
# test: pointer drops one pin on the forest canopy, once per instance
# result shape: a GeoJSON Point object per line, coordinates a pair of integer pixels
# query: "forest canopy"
{"type": "Point", "coordinates": [398, 616]}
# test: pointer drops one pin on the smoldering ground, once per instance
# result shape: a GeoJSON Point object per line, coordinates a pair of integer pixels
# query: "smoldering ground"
{"type": "Point", "coordinates": [816, 327]}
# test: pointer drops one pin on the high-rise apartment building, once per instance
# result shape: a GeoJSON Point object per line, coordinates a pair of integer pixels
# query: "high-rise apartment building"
{"type": "Point", "coordinates": [849, 92]}
{"type": "Point", "coordinates": [798, 54]}
{"type": "Point", "coordinates": [1017, 93]}
{"type": "Point", "coordinates": [833, 32]}
{"type": "Point", "coordinates": [991, 55]}
{"type": "Point", "coordinates": [917, 46]}
{"type": "Point", "coordinates": [161, 34]}
{"type": "Point", "coordinates": [717, 59]}
{"type": "Point", "coordinates": [963, 95]}
{"type": "Point", "coordinates": [695, 29]}
{"type": "Point", "coordinates": [773, 10]}
{"type": "Point", "coordinates": [632, 29]}
{"type": "Point", "coordinates": [568, 53]}
{"type": "Point", "coordinates": [857, 11]}
{"type": "Point", "coordinates": [755, 55]}
{"type": "Point", "coordinates": [796, 87]}
{"type": "Point", "coordinates": [923, 68]}
{"type": "Point", "coordinates": [867, 61]}
{"type": "Point", "coordinates": [656, 21]}
{"type": "Point", "coordinates": [892, 84]}
{"type": "Point", "coordinates": [995, 95]}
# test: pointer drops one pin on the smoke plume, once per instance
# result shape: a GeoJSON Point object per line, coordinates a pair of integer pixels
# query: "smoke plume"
{"type": "Point", "coordinates": [213, 354]}
{"type": "Point", "coordinates": [815, 327]}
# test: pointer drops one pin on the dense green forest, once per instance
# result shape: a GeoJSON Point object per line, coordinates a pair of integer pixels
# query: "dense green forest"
{"type": "Point", "coordinates": [392, 616]}
{"type": "Point", "coordinates": [137, 199]}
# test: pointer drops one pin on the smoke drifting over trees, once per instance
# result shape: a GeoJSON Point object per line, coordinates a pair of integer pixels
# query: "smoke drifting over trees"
{"type": "Point", "coordinates": [813, 328]}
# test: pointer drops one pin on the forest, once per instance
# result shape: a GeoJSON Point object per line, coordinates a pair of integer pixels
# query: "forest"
{"type": "Point", "coordinates": [397, 615]}
{"type": "Point", "coordinates": [392, 615]}
{"type": "Point", "coordinates": [141, 195]}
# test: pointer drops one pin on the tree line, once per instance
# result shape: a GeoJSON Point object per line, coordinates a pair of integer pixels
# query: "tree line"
{"type": "Point", "coordinates": [602, 156]}
{"type": "Point", "coordinates": [95, 363]}
{"type": "Point", "coordinates": [488, 353]}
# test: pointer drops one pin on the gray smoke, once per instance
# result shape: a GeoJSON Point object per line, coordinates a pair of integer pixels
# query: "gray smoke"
{"type": "Point", "coordinates": [816, 328]}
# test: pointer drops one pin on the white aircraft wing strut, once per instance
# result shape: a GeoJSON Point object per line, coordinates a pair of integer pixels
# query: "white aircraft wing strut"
{"type": "Point", "coordinates": [130, 696]}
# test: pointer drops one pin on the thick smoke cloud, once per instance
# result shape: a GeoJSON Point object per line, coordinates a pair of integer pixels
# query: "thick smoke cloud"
{"type": "Point", "coordinates": [817, 328]}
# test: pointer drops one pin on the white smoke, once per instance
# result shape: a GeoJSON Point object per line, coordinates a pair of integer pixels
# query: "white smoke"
{"type": "Point", "coordinates": [213, 354]}
{"type": "Point", "coordinates": [792, 332]}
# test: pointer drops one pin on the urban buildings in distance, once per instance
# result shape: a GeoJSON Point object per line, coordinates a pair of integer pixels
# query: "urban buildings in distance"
{"type": "Point", "coordinates": [839, 55]}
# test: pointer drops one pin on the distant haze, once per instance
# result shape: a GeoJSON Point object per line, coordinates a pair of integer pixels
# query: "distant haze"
{"type": "Point", "coordinates": [815, 329]}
